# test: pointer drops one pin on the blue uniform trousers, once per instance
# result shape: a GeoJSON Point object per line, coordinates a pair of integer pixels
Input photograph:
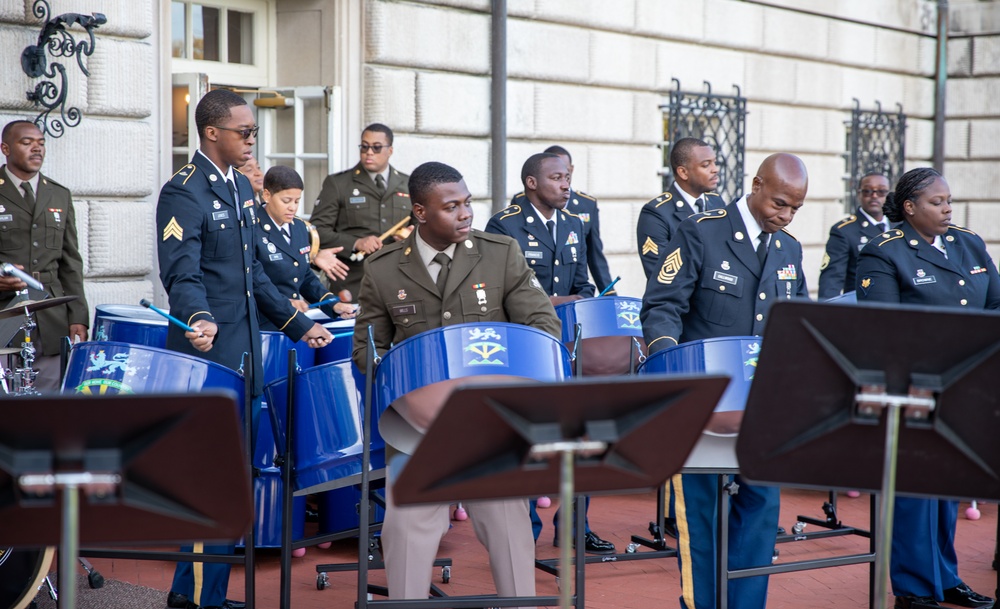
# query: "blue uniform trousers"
{"type": "Point", "coordinates": [536, 520]}
{"type": "Point", "coordinates": [753, 525]}
{"type": "Point", "coordinates": [923, 547]}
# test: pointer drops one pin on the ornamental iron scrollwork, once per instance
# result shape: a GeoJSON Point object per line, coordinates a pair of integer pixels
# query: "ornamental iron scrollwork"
{"type": "Point", "coordinates": [876, 142]}
{"type": "Point", "coordinates": [719, 120]}
{"type": "Point", "coordinates": [50, 93]}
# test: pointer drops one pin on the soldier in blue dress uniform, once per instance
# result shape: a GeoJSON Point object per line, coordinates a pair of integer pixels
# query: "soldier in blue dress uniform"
{"type": "Point", "coordinates": [695, 177]}
{"type": "Point", "coordinates": [584, 207]}
{"type": "Point", "coordinates": [559, 261]}
{"type": "Point", "coordinates": [847, 237]}
{"type": "Point", "coordinates": [205, 226]}
{"type": "Point", "coordinates": [722, 271]}
{"type": "Point", "coordinates": [283, 247]}
{"type": "Point", "coordinates": [927, 261]}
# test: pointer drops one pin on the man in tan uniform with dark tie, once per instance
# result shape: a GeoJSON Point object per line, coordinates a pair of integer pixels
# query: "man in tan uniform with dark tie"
{"type": "Point", "coordinates": [419, 284]}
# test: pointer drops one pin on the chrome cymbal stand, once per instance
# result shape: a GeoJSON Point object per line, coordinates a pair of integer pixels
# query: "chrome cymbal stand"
{"type": "Point", "coordinates": [23, 379]}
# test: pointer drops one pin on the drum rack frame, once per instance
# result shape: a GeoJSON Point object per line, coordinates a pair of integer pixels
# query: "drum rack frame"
{"type": "Point", "coordinates": [248, 559]}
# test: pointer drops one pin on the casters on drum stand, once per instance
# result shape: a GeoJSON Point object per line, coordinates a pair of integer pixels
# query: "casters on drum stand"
{"type": "Point", "coordinates": [94, 578]}
{"type": "Point", "coordinates": [322, 581]}
{"type": "Point", "coordinates": [446, 574]}
{"type": "Point", "coordinates": [798, 527]}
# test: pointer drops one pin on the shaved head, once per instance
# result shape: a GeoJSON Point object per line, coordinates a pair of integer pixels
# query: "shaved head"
{"type": "Point", "coordinates": [779, 190]}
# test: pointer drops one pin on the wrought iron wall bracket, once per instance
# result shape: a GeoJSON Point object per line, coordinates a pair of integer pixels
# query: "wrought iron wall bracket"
{"type": "Point", "coordinates": [54, 38]}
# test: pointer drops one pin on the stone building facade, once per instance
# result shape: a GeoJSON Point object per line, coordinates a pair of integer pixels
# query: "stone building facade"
{"type": "Point", "coordinates": [590, 75]}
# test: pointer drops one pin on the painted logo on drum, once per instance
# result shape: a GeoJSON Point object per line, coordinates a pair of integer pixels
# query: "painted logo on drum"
{"type": "Point", "coordinates": [485, 347]}
{"type": "Point", "coordinates": [99, 362]}
{"type": "Point", "coordinates": [627, 314]}
{"type": "Point", "coordinates": [118, 362]}
{"type": "Point", "coordinates": [750, 364]}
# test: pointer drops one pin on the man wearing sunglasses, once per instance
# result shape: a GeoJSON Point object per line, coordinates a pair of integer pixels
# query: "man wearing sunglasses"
{"type": "Point", "coordinates": [356, 207]}
{"type": "Point", "coordinates": [847, 237]}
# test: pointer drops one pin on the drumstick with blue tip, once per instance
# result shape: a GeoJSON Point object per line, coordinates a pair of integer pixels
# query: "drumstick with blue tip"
{"type": "Point", "coordinates": [323, 303]}
{"type": "Point", "coordinates": [170, 318]}
{"type": "Point", "coordinates": [610, 286]}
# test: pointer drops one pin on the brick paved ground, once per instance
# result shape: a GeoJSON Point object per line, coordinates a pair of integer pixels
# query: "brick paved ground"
{"type": "Point", "coordinates": [638, 584]}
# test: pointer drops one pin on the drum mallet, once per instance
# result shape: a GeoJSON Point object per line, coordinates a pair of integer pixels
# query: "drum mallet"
{"type": "Point", "coordinates": [170, 318]}
{"type": "Point", "coordinates": [323, 303]}
{"type": "Point", "coordinates": [610, 286]}
{"type": "Point", "coordinates": [359, 256]}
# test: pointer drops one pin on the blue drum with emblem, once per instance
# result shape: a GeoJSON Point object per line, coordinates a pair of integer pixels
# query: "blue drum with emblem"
{"type": "Point", "coordinates": [484, 352]}
{"type": "Point", "coordinates": [129, 324]}
{"type": "Point", "coordinates": [609, 327]}
{"type": "Point", "coordinates": [735, 356]}
{"type": "Point", "coordinates": [340, 347]}
{"type": "Point", "coordinates": [274, 355]}
{"type": "Point", "coordinates": [104, 368]}
{"type": "Point", "coordinates": [327, 443]}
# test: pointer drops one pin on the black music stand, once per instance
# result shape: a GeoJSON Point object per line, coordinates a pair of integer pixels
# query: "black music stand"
{"type": "Point", "coordinates": [600, 435]}
{"type": "Point", "coordinates": [814, 413]}
{"type": "Point", "coordinates": [139, 462]}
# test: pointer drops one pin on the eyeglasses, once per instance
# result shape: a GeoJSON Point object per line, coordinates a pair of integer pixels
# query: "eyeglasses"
{"type": "Point", "coordinates": [245, 133]}
{"type": "Point", "coordinates": [376, 148]}
{"type": "Point", "coordinates": [867, 192]}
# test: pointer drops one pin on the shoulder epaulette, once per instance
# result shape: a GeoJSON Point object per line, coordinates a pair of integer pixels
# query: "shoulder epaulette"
{"type": "Point", "coordinates": [961, 228]}
{"type": "Point", "coordinates": [47, 180]}
{"type": "Point", "coordinates": [492, 237]}
{"type": "Point", "coordinates": [889, 235]}
{"type": "Point", "coordinates": [713, 194]}
{"type": "Point", "coordinates": [785, 230]}
{"type": "Point", "coordinates": [185, 172]}
{"type": "Point", "coordinates": [392, 247]}
{"type": "Point", "coordinates": [663, 198]}
{"type": "Point", "coordinates": [584, 195]}
{"type": "Point", "coordinates": [570, 214]}
{"type": "Point", "coordinates": [510, 210]}
{"type": "Point", "coordinates": [846, 221]}
{"type": "Point", "coordinates": [711, 214]}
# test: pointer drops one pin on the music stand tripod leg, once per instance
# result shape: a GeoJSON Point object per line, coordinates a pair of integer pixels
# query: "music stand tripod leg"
{"type": "Point", "coordinates": [883, 549]}
{"type": "Point", "coordinates": [69, 545]}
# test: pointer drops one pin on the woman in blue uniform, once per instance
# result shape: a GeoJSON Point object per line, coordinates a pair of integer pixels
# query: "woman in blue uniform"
{"type": "Point", "coordinates": [283, 245]}
{"type": "Point", "coordinates": [927, 260]}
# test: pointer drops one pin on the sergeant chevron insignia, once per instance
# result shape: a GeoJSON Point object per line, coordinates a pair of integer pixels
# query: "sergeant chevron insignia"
{"type": "Point", "coordinates": [650, 248]}
{"type": "Point", "coordinates": [173, 229]}
{"type": "Point", "coordinates": [671, 266]}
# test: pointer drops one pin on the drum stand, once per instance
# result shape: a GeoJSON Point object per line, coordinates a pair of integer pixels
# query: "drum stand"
{"type": "Point", "coordinates": [21, 381]}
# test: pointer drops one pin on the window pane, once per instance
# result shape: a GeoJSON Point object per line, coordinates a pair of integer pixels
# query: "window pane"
{"type": "Point", "coordinates": [180, 107]}
{"type": "Point", "coordinates": [240, 37]}
{"type": "Point", "coordinates": [205, 26]}
{"type": "Point", "coordinates": [177, 29]}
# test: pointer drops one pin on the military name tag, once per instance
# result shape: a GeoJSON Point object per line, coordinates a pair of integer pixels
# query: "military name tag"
{"type": "Point", "coordinates": [725, 278]}
{"type": "Point", "coordinates": [924, 280]}
{"type": "Point", "coordinates": [7, 218]}
{"type": "Point", "coordinates": [220, 215]}
{"type": "Point", "coordinates": [357, 200]}
{"type": "Point", "coordinates": [274, 257]}
{"type": "Point", "coordinates": [400, 310]}
{"type": "Point", "coordinates": [534, 255]}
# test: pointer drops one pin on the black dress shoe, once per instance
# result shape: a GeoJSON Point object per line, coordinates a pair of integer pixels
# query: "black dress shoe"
{"type": "Point", "coordinates": [592, 544]}
{"type": "Point", "coordinates": [915, 602]}
{"type": "Point", "coordinates": [229, 604]}
{"type": "Point", "coordinates": [964, 596]}
{"type": "Point", "coordinates": [176, 600]}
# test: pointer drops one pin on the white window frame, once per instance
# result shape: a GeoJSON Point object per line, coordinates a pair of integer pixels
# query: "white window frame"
{"type": "Point", "coordinates": [257, 74]}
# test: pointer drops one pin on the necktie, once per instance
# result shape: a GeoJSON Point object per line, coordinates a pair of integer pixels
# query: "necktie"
{"type": "Point", "coordinates": [699, 205]}
{"type": "Point", "coordinates": [442, 259]}
{"type": "Point", "coordinates": [286, 235]}
{"type": "Point", "coordinates": [232, 189]}
{"type": "Point", "coordinates": [762, 248]}
{"type": "Point", "coordinates": [380, 184]}
{"type": "Point", "coordinates": [551, 226]}
{"type": "Point", "coordinates": [29, 194]}
{"type": "Point", "coordinates": [881, 227]}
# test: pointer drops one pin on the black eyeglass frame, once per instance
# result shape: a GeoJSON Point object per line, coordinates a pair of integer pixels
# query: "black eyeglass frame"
{"type": "Point", "coordinates": [245, 132]}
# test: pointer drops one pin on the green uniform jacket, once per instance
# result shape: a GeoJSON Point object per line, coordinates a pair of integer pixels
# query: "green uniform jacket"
{"type": "Point", "coordinates": [43, 240]}
{"type": "Point", "coordinates": [399, 300]}
{"type": "Point", "coordinates": [349, 207]}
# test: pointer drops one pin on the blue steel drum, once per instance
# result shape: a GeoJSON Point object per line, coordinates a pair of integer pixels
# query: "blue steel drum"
{"type": "Point", "coordinates": [268, 501]}
{"type": "Point", "coordinates": [602, 316]}
{"type": "Point", "coordinates": [129, 324]}
{"type": "Point", "coordinates": [735, 356]}
{"type": "Point", "coordinates": [274, 355]}
{"type": "Point", "coordinates": [338, 510]}
{"type": "Point", "coordinates": [469, 350]}
{"type": "Point", "coordinates": [339, 348]}
{"type": "Point", "coordinates": [102, 368]}
{"type": "Point", "coordinates": [845, 298]}
{"type": "Point", "coordinates": [327, 441]}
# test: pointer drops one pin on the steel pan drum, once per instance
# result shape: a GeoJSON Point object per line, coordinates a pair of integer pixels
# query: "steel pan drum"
{"type": "Point", "coordinates": [274, 355]}
{"type": "Point", "coordinates": [463, 353]}
{"type": "Point", "coordinates": [99, 368]}
{"type": "Point", "coordinates": [609, 326]}
{"type": "Point", "coordinates": [129, 324]}
{"type": "Point", "coordinates": [340, 348]}
{"type": "Point", "coordinates": [735, 356]}
{"type": "Point", "coordinates": [21, 572]}
{"type": "Point", "coordinates": [845, 298]}
{"type": "Point", "coordinates": [338, 510]}
{"type": "Point", "coordinates": [327, 441]}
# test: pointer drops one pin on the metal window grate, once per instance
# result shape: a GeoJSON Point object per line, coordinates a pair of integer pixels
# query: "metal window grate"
{"type": "Point", "coordinates": [719, 120]}
{"type": "Point", "coordinates": [876, 141]}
